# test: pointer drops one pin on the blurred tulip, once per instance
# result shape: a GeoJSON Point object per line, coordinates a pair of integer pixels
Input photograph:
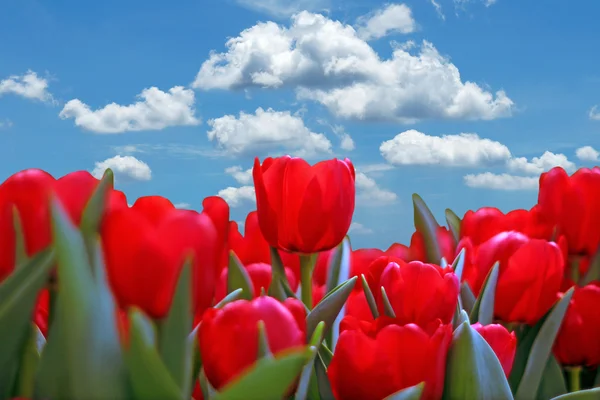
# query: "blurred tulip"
{"type": "Point", "coordinates": [501, 341]}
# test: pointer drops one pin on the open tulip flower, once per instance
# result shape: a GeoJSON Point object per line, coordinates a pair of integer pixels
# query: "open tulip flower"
{"type": "Point", "coordinates": [100, 299]}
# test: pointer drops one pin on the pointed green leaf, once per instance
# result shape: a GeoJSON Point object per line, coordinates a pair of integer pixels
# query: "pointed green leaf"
{"type": "Point", "coordinates": [597, 380]}
{"type": "Point", "coordinates": [268, 378]}
{"type": "Point", "coordinates": [454, 223]}
{"type": "Point", "coordinates": [264, 351]}
{"type": "Point", "coordinates": [18, 296]}
{"type": "Point", "coordinates": [553, 381]}
{"type": "Point", "coordinates": [280, 290]}
{"type": "Point", "coordinates": [197, 358]}
{"type": "Point", "coordinates": [237, 277]}
{"type": "Point", "coordinates": [85, 323]}
{"type": "Point", "coordinates": [593, 272]}
{"type": "Point", "coordinates": [328, 309]}
{"type": "Point", "coordinates": [21, 256]}
{"type": "Point", "coordinates": [233, 296]}
{"type": "Point", "coordinates": [369, 297]}
{"type": "Point", "coordinates": [410, 393]}
{"type": "Point", "coordinates": [458, 264]}
{"type": "Point", "coordinates": [325, 354]}
{"type": "Point", "coordinates": [339, 265]}
{"type": "Point", "coordinates": [541, 349]}
{"type": "Point", "coordinates": [29, 362]}
{"type": "Point", "coordinates": [91, 216]}
{"type": "Point", "coordinates": [325, 392]}
{"type": "Point", "coordinates": [387, 306]}
{"type": "Point", "coordinates": [467, 298]}
{"type": "Point", "coordinates": [307, 377]}
{"type": "Point", "coordinates": [483, 309]}
{"type": "Point", "coordinates": [590, 394]}
{"type": "Point", "coordinates": [174, 347]}
{"type": "Point", "coordinates": [426, 224]}
{"type": "Point", "coordinates": [472, 368]}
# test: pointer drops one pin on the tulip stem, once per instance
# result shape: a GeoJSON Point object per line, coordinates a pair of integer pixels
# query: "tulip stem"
{"type": "Point", "coordinates": [574, 378]}
{"type": "Point", "coordinates": [307, 263]}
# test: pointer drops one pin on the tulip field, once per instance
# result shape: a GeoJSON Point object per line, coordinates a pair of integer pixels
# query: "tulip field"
{"type": "Point", "coordinates": [100, 299]}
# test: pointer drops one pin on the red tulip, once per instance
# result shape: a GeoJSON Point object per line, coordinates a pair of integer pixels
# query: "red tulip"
{"type": "Point", "coordinates": [530, 275]}
{"type": "Point", "coordinates": [445, 240]}
{"type": "Point", "coordinates": [570, 204]}
{"type": "Point", "coordinates": [371, 364]}
{"type": "Point", "coordinates": [577, 343]}
{"type": "Point", "coordinates": [303, 208]}
{"type": "Point", "coordinates": [360, 261]}
{"type": "Point", "coordinates": [42, 308]}
{"type": "Point", "coordinates": [228, 337]}
{"type": "Point", "coordinates": [419, 293]}
{"type": "Point", "coordinates": [501, 341]}
{"type": "Point", "coordinates": [400, 251]}
{"type": "Point", "coordinates": [260, 274]}
{"type": "Point", "coordinates": [218, 211]}
{"type": "Point", "coordinates": [144, 255]}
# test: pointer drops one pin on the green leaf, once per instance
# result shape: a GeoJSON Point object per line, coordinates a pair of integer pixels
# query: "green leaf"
{"type": "Point", "coordinates": [387, 306]}
{"type": "Point", "coordinates": [21, 256]}
{"type": "Point", "coordinates": [426, 224]}
{"type": "Point", "coordinates": [85, 324]}
{"type": "Point", "coordinates": [454, 223]}
{"type": "Point", "coordinates": [597, 380]}
{"type": "Point", "coordinates": [237, 277]}
{"type": "Point", "coordinates": [467, 298]}
{"type": "Point", "coordinates": [590, 394]}
{"type": "Point", "coordinates": [268, 378]}
{"type": "Point", "coordinates": [91, 216]}
{"type": "Point", "coordinates": [483, 309]}
{"type": "Point", "coordinates": [410, 393]}
{"type": "Point", "coordinates": [325, 354]}
{"type": "Point", "coordinates": [307, 377]}
{"type": "Point", "coordinates": [325, 392]}
{"type": "Point", "coordinates": [458, 264]}
{"type": "Point", "coordinates": [29, 362]}
{"type": "Point", "coordinates": [472, 368]}
{"type": "Point", "coordinates": [553, 381]}
{"type": "Point", "coordinates": [541, 349]}
{"type": "Point", "coordinates": [264, 351]}
{"type": "Point", "coordinates": [593, 272]}
{"type": "Point", "coordinates": [148, 375]}
{"type": "Point", "coordinates": [369, 297]}
{"type": "Point", "coordinates": [174, 347]}
{"type": "Point", "coordinates": [328, 309]}
{"type": "Point", "coordinates": [339, 265]}
{"type": "Point", "coordinates": [280, 290]}
{"type": "Point", "coordinates": [18, 296]}
{"type": "Point", "coordinates": [233, 296]}
{"type": "Point", "coordinates": [197, 361]}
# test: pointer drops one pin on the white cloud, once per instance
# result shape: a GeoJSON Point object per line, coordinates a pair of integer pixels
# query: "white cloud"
{"type": "Point", "coordinates": [184, 206]}
{"type": "Point", "coordinates": [463, 3]}
{"type": "Point", "coordinates": [327, 62]}
{"type": "Point", "coordinates": [124, 168]}
{"type": "Point", "coordinates": [264, 131]}
{"type": "Point", "coordinates": [369, 193]}
{"type": "Point", "coordinates": [508, 182]}
{"type": "Point", "coordinates": [587, 153]}
{"type": "Point", "coordinates": [155, 110]}
{"type": "Point", "coordinates": [537, 165]}
{"type": "Point", "coordinates": [284, 8]}
{"type": "Point", "coordinates": [5, 124]}
{"type": "Point", "coordinates": [171, 149]}
{"type": "Point", "coordinates": [380, 167]}
{"type": "Point", "coordinates": [594, 113]}
{"type": "Point", "coordinates": [393, 18]}
{"type": "Point", "coordinates": [438, 9]}
{"type": "Point", "coordinates": [241, 176]}
{"type": "Point", "coordinates": [359, 229]}
{"type": "Point", "coordinates": [236, 196]}
{"type": "Point", "coordinates": [28, 85]}
{"type": "Point", "coordinates": [466, 149]}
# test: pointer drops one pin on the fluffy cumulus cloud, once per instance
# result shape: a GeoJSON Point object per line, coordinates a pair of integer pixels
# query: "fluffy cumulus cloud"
{"type": "Point", "coordinates": [393, 18]}
{"type": "Point", "coordinates": [125, 168]}
{"type": "Point", "coordinates": [327, 62]}
{"type": "Point", "coordinates": [537, 165]}
{"type": "Point", "coordinates": [587, 153]}
{"type": "Point", "coordinates": [236, 196]}
{"type": "Point", "coordinates": [369, 193]}
{"type": "Point", "coordinates": [28, 85]}
{"type": "Point", "coordinates": [489, 180]}
{"type": "Point", "coordinates": [266, 130]}
{"type": "Point", "coordinates": [466, 149]}
{"type": "Point", "coordinates": [240, 175]}
{"type": "Point", "coordinates": [359, 229]}
{"type": "Point", "coordinates": [155, 110]}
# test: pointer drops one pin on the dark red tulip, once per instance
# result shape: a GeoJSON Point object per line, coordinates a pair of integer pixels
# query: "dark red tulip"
{"type": "Point", "coordinates": [40, 316]}
{"type": "Point", "coordinates": [570, 203]}
{"type": "Point", "coordinates": [370, 363]}
{"type": "Point", "coordinates": [503, 343]}
{"type": "Point", "coordinates": [144, 255]}
{"type": "Point", "coordinates": [577, 343]}
{"type": "Point", "coordinates": [445, 240]}
{"type": "Point", "coordinates": [530, 275]}
{"type": "Point", "coordinates": [228, 337]}
{"type": "Point", "coordinates": [260, 274]}
{"type": "Point", "coordinates": [303, 208]}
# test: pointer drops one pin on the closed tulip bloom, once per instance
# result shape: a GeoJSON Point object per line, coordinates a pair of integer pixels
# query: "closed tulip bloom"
{"type": "Point", "coordinates": [218, 211]}
{"type": "Point", "coordinates": [571, 204]}
{"type": "Point", "coordinates": [371, 364]}
{"type": "Point", "coordinates": [578, 340]}
{"type": "Point", "coordinates": [503, 343]}
{"type": "Point", "coordinates": [228, 337]}
{"type": "Point", "coordinates": [144, 256]}
{"type": "Point", "coordinates": [304, 208]}
{"type": "Point", "coordinates": [530, 275]}
{"type": "Point", "coordinates": [445, 240]}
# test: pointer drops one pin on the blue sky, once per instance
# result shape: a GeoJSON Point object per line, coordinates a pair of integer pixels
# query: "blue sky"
{"type": "Point", "coordinates": [462, 101]}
